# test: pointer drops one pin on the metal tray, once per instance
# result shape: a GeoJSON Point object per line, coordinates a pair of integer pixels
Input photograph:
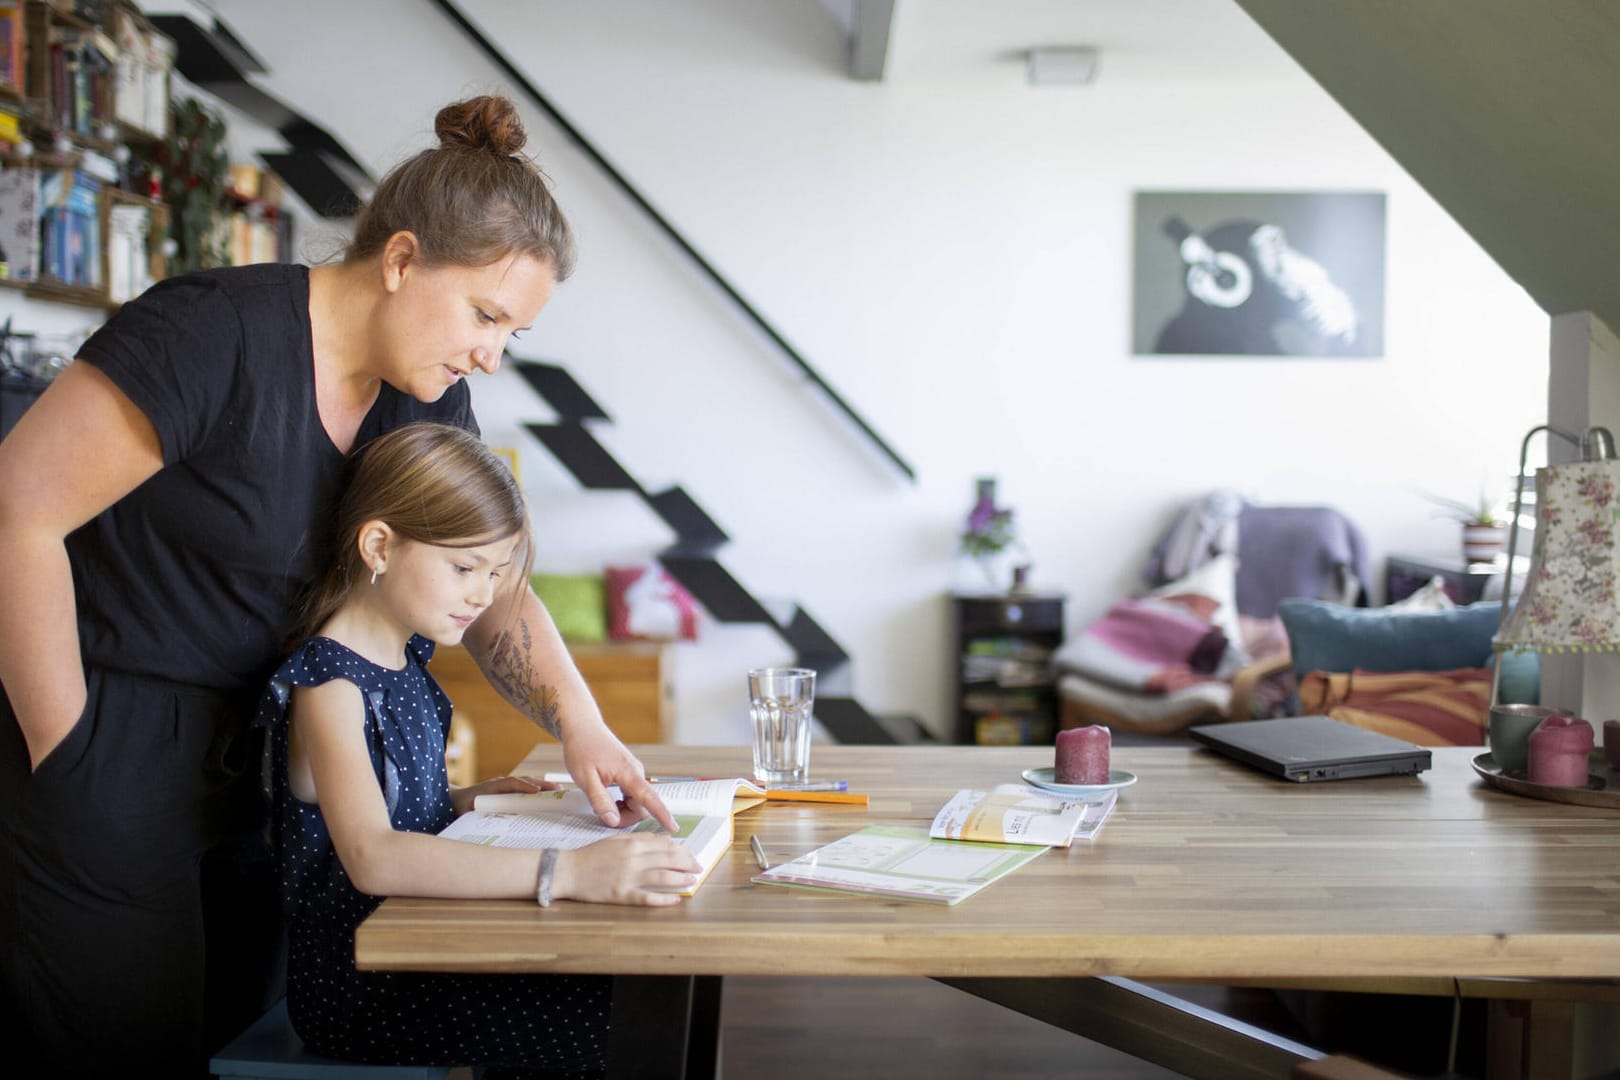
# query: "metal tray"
{"type": "Point", "coordinates": [1602, 786]}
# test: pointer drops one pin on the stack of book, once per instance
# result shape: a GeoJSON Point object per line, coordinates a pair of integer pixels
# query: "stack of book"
{"type": "Point", "coordinates": [19, 223]}
{"type": "Point", "coordinates": [12, 36]}
{"type": "Point", "coordinates": [141, 75]}
{"type": "Point", "coordinates": [70, 228]}
{"type": "Point", "coordinates": [129, 264]}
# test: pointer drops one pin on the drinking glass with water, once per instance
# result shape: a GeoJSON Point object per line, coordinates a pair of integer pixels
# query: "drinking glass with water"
{"type": "Point", "coordinates": [779, 702]}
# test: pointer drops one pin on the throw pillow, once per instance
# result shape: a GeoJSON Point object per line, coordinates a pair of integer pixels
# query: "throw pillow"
{"type": "Point", "coordinates": [1431, 597]}
{"type": "Point", "coordinates": [1328, 637]}
{"type": "Point", "coordinates": [577, 604]}
{"type": "Point", "coordinates": [1217, 580]}
{"type": "Point", "coordinates": [646, 604]}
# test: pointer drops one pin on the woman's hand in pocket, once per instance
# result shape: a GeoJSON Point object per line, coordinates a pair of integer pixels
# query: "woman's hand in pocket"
{"type": "Point", "coordinates": [44, 735]}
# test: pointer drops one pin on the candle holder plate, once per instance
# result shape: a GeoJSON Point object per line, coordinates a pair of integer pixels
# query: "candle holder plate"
{"type": "Point", "coordinates": [1602, 783]}
{"type": "Point", "coordinates": [1046, 780]}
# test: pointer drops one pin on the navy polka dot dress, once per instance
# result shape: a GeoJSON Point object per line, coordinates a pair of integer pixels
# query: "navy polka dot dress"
{"type": "Point", "coordinates": [552, 1022]}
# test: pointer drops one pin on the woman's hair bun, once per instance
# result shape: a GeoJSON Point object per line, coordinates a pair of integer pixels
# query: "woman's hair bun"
{"type": "Point", "coordinates": [481, 123]}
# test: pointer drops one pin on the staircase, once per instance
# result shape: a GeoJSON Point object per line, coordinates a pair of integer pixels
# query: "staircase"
{"type": "Point", "coordinates": [693, 559]}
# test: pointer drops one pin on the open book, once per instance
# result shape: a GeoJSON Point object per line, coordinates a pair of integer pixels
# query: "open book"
{"type": "Point", "coordinates": [729, 796]}
{"type": "Point", "coordinates": [1018, 814]}
{"type": "Point", "coordinates": [564, 819]}
{"type": "Point", "coordinates": [903, 864]}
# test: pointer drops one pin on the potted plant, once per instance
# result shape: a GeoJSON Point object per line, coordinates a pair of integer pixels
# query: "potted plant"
{"type": "Point", "coordinates": [1484, 526]}
{"type": "Point", "coordinates": [990, 541]}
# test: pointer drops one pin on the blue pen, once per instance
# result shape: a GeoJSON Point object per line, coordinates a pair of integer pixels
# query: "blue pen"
{"type": "Point", "coordinates": [813, 785]}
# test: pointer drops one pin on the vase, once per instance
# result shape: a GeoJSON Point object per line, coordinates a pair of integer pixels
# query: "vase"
{"type": "Point", "coordinates": [984, 499]}
{"type": "Point", "coordinates": [978, 574]}
{"type": "Point", "coordinates": [1483, 543]}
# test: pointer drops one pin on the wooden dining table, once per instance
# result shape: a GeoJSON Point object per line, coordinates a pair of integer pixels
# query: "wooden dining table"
{"type": "Point", "coordinates": [1207, 871]}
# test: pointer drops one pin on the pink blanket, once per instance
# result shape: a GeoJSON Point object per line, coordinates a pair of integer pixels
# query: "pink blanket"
{"type": "Point", "coordinates": [1154, 644]}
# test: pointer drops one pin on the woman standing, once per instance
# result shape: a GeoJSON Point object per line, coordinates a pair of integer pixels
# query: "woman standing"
{"type": "Point", "coordinates": [159, 507]}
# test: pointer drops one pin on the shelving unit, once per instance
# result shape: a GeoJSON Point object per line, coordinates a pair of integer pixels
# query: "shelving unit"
{"type": "Point", "coordinates": [1006, 693]}
{"type": "Point", "coordinates": [89, 89]}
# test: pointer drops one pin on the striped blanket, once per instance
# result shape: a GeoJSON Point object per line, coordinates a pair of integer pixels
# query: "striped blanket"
{"type": "Point", "coordinates": [1156, 644]}
{"type": "Point", "coordinates": [1429, 708]}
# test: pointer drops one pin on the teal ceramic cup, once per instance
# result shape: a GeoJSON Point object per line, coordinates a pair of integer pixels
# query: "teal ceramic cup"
{"type": "Point", "coordinates": [1510, 730]}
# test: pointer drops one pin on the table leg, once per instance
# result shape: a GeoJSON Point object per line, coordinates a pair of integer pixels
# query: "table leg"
{"type": "Point", "coordinates": [1148, 1024]}
{"type": "Point", "coordinates": [1530, 1039]}
{"type": "Point", "coordinates": [665, 1026]}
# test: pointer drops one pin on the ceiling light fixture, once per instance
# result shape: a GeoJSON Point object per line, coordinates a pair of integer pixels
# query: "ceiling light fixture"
{"type": "Point", "coordinates": [1068, 65]}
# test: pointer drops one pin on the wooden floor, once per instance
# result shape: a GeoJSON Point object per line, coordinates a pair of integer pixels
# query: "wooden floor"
{"type": "Point", "coordinates": [796, 1029]}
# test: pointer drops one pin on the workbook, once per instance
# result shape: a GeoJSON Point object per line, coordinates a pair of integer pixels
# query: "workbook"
{"type": "Point", "coordinates": [902, 864]}
{"type": "Point", "coordinates": [564, 819]}
{"type": "Point", "coordinates": [1018, 814]}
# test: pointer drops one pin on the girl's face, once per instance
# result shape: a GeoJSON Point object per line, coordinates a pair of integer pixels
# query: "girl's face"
{"type": "Point", "coordinates": [439, 591]}
{"type": "Point", "coordinates": [446, 322]}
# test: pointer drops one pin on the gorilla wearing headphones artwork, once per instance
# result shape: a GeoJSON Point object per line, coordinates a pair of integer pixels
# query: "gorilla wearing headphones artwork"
{"type": "Point", "coordinates": [1247, 290]}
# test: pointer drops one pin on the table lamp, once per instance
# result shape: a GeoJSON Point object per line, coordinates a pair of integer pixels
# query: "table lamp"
{"type": "Point", "coordinates": [1571, 596]}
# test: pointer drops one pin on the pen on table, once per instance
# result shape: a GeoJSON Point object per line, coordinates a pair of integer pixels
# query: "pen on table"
{"type": "Point", "coordinates": [759, 852]}
{"type": "Point", "coordinates": [816, 796]}
{"type": "Point", "coordinates": [807, 786]}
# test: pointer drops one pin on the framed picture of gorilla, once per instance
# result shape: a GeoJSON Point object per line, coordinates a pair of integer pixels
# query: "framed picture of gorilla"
{"type": "Point", "coordinates": [1259, 274]}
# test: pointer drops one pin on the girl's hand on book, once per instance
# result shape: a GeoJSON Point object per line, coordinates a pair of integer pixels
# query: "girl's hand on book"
{"type": "Point", "coordinates": [462, 797]}
{"type": "Point", "coordinates": [624, 870]}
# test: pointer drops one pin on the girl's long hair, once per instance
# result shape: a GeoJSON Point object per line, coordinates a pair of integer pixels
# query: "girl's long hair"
{"type": "Point", "coordinates": [432, 484]}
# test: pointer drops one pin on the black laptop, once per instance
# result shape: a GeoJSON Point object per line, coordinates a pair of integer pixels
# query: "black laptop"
{"type": "Point", "coordinates": [1305, 748]}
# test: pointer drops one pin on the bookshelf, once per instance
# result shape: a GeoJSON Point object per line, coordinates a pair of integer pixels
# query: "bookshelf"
{"type": "Point", "coordinates": [81, 84]}
{"type": "Point", "coordinates": [1006, 693]}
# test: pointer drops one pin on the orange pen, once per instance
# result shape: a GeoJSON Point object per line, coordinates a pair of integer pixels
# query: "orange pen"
{"type": "Point", "coordinates": [816, 796]}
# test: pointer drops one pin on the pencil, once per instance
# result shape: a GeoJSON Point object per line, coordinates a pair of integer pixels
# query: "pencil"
{"type": "Point", "coordinates": [816, 796]}
{"type": "Point", "coordinates": [759, 852]}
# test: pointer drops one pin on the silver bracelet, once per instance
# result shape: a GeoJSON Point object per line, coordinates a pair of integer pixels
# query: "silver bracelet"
{"type": "Point", "coordinates": [548, 870]}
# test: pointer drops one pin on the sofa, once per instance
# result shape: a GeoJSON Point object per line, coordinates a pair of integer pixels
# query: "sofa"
{"type": "Point", "coordinates": [1422, 676]}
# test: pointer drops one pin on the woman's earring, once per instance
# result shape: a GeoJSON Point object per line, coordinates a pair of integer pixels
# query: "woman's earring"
{"type": "Point", "coordinates": [375, 570]}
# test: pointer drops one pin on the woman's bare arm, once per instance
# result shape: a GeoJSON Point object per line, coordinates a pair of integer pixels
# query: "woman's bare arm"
{"type": "Point", "coordinates": [77, 450]}
{"type": "Point", "coordinates": [527, 664]}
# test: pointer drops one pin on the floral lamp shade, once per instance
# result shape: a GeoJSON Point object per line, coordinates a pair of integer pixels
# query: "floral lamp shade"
{"type": "Point", "coordinates": [1570, 603]}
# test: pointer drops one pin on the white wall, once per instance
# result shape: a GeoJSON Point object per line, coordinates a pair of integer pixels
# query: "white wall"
{"type": "Point", "coordinates": [951, 248]}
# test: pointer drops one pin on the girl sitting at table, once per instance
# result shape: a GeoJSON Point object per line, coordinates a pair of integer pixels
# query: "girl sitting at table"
{"type": "Point", "coordinates": [430, 535]}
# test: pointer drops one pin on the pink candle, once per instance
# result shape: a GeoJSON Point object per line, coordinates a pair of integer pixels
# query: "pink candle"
{"type": "Point", "coordinates": [1558, 750]}
{"type": "Point", "coordinates": [1082, 755]}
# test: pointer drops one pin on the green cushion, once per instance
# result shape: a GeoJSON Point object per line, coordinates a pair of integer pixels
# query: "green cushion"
{"type": "Point", "coordinates": [577, 602]}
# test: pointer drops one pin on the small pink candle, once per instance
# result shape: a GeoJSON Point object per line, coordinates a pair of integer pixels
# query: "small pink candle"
{"type": "Point", "coordinates": [1558, 750]}
{"type": "Point", "coordinates": [1082, 755]}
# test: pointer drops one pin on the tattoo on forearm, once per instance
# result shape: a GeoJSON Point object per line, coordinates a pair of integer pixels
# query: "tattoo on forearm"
{"type": "Point", "coordinates": [511, 664]}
